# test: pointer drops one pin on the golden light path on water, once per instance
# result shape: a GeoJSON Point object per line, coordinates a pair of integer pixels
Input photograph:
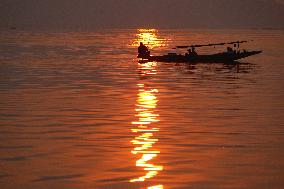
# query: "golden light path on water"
{"type": "Point", "coordinates": [144, 127]}
{"type": "Point", "coordinates": [148, 37]}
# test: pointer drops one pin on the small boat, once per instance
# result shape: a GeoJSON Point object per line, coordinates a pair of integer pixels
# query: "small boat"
{"type": "Point", "coordinates": [192, 57]}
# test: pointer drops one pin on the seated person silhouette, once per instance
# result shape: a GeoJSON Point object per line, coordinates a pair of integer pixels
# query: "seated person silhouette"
{"type": "Point", "coordinates": [189, 52]}
{"type": "Point", "coordinates": [230, 50]}
{"type": "Point", "coordinates": [143, 51]}
{"type": "Point", "coordinates": [194, 52]}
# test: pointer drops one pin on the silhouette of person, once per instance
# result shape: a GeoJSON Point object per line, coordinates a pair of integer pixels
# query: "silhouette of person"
{"type": "Point", "coordinates": [190, 53]}
{"type": "Point", "coordinates": [143, 50]}
{"type": "Point", "coordinates": [194, 52]}
{"type": "Point", "coordinates": [230, 50]}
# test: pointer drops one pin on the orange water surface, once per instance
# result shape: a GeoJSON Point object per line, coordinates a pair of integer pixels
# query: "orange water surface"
{"type": "Point", "coordinates": [78, 111]}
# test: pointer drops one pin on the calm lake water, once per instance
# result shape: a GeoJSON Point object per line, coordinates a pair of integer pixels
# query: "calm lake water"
{"type": "Point", "coordinates": [77, 111]}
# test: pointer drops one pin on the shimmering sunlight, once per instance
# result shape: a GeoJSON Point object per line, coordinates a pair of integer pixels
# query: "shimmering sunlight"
{"type": "Point", "coordinates": [149, 37]}
{"type": "Point", "coordinates": [144, 141]}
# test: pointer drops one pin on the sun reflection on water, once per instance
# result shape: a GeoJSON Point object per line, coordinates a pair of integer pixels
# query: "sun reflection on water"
{"type": "Point", "coordinates": [149, 37]}
{"type": "Point", "coordinates": [156, 187]}
{"type": "Point", "coordinates": [144, 141]}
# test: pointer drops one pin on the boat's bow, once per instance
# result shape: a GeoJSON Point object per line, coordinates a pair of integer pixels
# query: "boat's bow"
{"type": "Point", "coordinates": [246, 54]}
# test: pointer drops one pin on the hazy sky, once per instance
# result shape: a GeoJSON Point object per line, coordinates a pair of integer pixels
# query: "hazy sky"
{"type": "Point", "coordinates": [60, 14]}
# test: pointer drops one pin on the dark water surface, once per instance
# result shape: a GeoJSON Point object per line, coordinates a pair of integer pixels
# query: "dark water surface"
{"type": "Point", "coordinates": [78, 111]}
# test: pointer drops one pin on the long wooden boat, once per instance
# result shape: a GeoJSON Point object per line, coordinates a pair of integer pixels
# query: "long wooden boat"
{"type": "Point", "coordinates": [223, 57]}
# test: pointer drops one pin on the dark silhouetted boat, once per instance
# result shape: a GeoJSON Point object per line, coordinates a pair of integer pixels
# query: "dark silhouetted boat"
{"type": "Point", "coordinates": [192, 57]}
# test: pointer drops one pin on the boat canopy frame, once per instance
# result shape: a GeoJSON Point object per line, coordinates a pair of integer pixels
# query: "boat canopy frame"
{"type": "Point", "coordinates": [210, 44]}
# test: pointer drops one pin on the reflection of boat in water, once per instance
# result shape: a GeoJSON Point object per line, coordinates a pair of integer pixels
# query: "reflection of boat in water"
{"type": "Point", "coordinates": [192, 57]}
